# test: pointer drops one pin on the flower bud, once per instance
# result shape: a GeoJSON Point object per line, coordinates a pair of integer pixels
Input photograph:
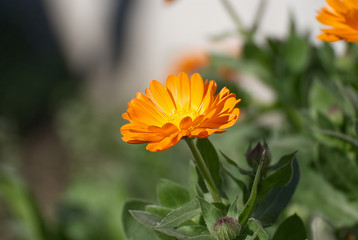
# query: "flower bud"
{"type": "Point", "coordinates": [226, 228]}
{"type": "Point", "coordinates": [253, 156]}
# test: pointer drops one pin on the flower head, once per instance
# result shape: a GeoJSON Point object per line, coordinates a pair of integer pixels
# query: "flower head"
{"type": "Point", "coordinates": [183, 108]}
{"type": "Point", "coordinates": [258, 153]}
{"type": "Point", "coordinates": [226, 228]}
{"type": "Point", "coordinates": [342, 16]}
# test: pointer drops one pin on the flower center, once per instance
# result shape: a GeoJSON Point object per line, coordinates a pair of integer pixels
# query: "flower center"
{"type": "Point", "coordinates": [179, 115]}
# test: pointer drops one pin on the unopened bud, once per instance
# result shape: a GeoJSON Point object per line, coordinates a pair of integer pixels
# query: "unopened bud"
{"type": "Point", "coordinates": [253, 156]}
{"type": "Point", "coordinates": [226, 228]}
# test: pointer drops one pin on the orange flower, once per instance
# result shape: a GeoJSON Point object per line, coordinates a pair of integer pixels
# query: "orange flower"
{"type": "Point", "coordinates": [192, 62]}
{"type": "Point", "coordinates": [184, 107]}
{"type": "Point", "coordinates": [342, 16]}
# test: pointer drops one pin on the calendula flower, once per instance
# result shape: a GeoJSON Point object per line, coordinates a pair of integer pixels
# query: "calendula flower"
{"type": "Point", "coordinates": [342, 16]}
{"type": "Point", "coordinates": [183, 108]}
{"type": "Point", "coordinates": [192, 62]}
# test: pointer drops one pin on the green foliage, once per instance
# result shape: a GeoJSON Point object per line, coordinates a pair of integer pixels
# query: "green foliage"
{"type": "Point", "coordinates": [270, 207]}
{"type": "Point", "coordinates": [258, 231]}
{"type": "Point", "coordinates": [246, 211]}
{"type": "Point", "coordinates": [316, 98]}
{"type": "Point", "coordinates": [339, 170]}
{"type": "Point", "coordinates": [180, 215]}
{"type": "Point", "coordinates": [22, 205]}
{"type": "Point", "coordinates": [172, 195]}
{"type": "Point", "coordinates": [132, 228]}
{"type": "Point", "coordinates": [210, 213]}
{"type": "Point", "coordinates": [272, 186]}
{"type": "Point", "coordinates": [211, 158]}
{"type": "Point", "coordinates": [291, 229]}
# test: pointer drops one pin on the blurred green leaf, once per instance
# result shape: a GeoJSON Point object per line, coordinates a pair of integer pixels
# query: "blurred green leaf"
{"type": "Point", "coordinates": [296, 51]}
{"type": "Point", "coordinates": [251, 66]}
{"type": "Point", "coordinates": [181, 214]}
{"type": "Point", "coordinates": [269, 208]}
{"type": "Point", "coordinates": [291, 228]}
{"type": "Point", "coordinates": [23, 207]}
{"type": "Point", "coordinates": [340, 136]}
{"type": "Point", "coordinates": [132, 228]}
{"type": "Point", "coordinates": [339, 170]}
{"type": "Point", "coordinates": [210, 213]}
{"type": "Point", "coordinates": [327, 57]}
{"type": "Point", "coordinates": [321, 230]}
{"type": "Point", "coordinates": [171, 194]}
{"type": "Point", "coordinates": [324, 122]}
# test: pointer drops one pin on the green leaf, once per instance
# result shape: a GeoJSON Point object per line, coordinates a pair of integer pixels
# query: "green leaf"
{"type": "Point", "coordinates": [158, 210]}
{"type": "Point", "coordinates": [281, 176]}
{"type": "Point", "coordinates": [321, 230]}
{"type": "Point", "coordinates": [258, 230]}
{"type": "Point", "coordinates": [210, 213]}
{"type": "Point", "coordinates": [340, 136]}
{"type": "Point", "coordinates": [146, 218]}
{"type": "Point", "coordinates": [269, 208]}
{"type": "Point", "coordinates": [203, 237]}
{"type": "Point", "coordinates": [250, 66]}
{"type": "Point", "coordinates": [291, 229]}
{"type": "Point", "coordinates": [181, 214]}
{"type": "Point", "coordinates": [233, 211]}
{"type": "Point", "coordinates": [234, 164]}
{"type": "Point", "coordinates": [211, 159]}
{"type": "Point", "coordinates": [23, 207]}
{"type": "Point", "coordinates": [339, 170]}
{"type": "Point", "coordinates": [324, 122]}
{"type": "Point", "coordinates": [171, 194]}
{"type": "Point", "coordinates": [132, 228]}
{"type": "Point", "coordinates": [296, 52]}
{"type": "Point", "coordinates": [238, 182]}
{"type": "Point", "coordinates": [194, 230]}
{"type": "Point", "coordinates": [170, 232]}
{"type": "Point", "coordinates": [246, 211]}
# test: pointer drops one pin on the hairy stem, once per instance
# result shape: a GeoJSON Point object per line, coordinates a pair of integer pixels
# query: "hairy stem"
{"type": "Point", "coordinates": [204, 170]}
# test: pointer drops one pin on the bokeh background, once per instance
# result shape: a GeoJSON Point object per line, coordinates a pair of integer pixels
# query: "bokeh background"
{"type": "Point", "coordinates": [68, 69]}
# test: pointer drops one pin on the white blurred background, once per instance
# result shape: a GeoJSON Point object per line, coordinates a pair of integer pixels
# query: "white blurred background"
{"type": "Point", "coordinates": [157, 32]}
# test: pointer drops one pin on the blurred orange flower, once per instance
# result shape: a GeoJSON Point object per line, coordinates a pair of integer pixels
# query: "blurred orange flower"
{"type": "Point", "coordinates": [192, 62]}
{"type": "Point", "coordinates": [342, 16]}
{"type": "Point", "coordinates": [184, 107]}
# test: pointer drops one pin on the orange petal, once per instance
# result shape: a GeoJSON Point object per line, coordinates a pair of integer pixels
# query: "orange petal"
{"type": "Point", "coordinates": [185, 123]}
{"type": "Point", "coordinates": [197, 91]}
{"type": "Point", "coordinates": [158, 93]}
{"type": "Point", "coordinates": [337, 5]}
{"type": "Point", "coordinates": [208, 96]}
{"type": "Point", "coordinates": [179, 86]}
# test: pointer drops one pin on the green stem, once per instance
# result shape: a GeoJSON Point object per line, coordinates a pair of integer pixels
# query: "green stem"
{"type": "Point", "coordinates": [235, 18]}
{"type": "Point", "coordinates": [204, 170]}
{"type": "Point", "coordinates": [258, 17]}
